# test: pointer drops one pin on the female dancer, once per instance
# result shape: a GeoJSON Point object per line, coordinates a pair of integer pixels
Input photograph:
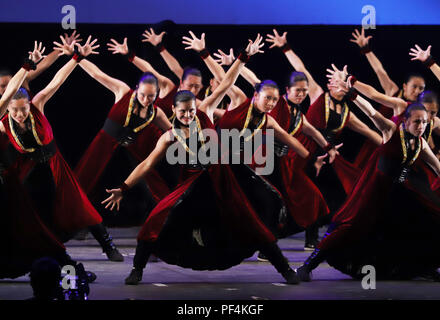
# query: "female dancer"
{"type": "Point", "coordinates": [304, 200]}
{"type": "Point", "coordinates": [389, 205]}
{"type": "Point", "coordinates": [190, 78]}
{"type": "Point", "coordinates": [199, 225]}
{"type": "Point", "coordinates": [130, 133]}
{"type": "Point", "coordinates": [24, 236]}
{"type": "Point", "coordinates": [330, 114]}
{"type": "Point", "coordinates": [56, 195]}
{"type": "Point", "coordinates": [413, 85]}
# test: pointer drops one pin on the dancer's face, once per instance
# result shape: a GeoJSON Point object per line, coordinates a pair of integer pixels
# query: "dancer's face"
{"type": "Point", "coordinates": [432, 108]}
{"type": "Point", "coordinates": [4, 83]}
{"type": "Point", "coordinates": [413, 88]}
{"type": "Point", "coordinates": [417, 122]}
{"type": "Point", "coordinates": [266, 99]}
{"type": "Point", "coordinates": [298, 92]}
{"type": "Point", "coordinates": [19, 109]}
{"type": "Point", "coordinates": [146, 93]}
{"type": "Point", "coordinates": [192, 83]}
{"type": "Point", "coordinates": [185, 111]}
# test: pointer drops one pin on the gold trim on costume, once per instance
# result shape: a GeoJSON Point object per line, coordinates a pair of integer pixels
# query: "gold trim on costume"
{"type": "Point", "coordinates": [248, 119]}
{"type": "Point", "coordinates": [404, 150]}
{"type": "Point", "coordinates": [34, 132]}
{"type": "Point", "coordinates": [199, 132]}
{"type": "Point", "coordinates": [327, 113]}
{"type": "Point", "coordinates": [129, 113]}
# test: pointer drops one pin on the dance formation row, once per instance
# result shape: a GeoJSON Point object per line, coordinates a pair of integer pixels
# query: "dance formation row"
{"type": "Point", "coordinates": [214, 216]}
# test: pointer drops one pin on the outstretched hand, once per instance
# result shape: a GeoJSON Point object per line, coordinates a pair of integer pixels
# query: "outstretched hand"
{"type": "Point", "coordinates": [337, 74]}
{"type": "Point", "coordinates": [254, 46]}
{"type": "Point", "coordinates": [88, 48]}
{"type": "Point", "coordinates": [194, 42]}
{"type": "Point", "coordinates": [418, 54]}
{"type": "Point", "coordinates": [359, 38]}
{"type": "Point", "coordinates": [276, 39]}
{"type": "Point", "coordinates": [319, 163]}
{"type": "Point", "coordinates": [114, 199]}
{"type": "Point", "coordinates": [223, 59]}
{"type": "Point", "coordinates": [37, 54]}
{"type": "Point", "coordinates": [152, 37]}
{"type": "Point", "coordinates": [116, 47]}
{"type": "Point", "coordinates": [67, 45]}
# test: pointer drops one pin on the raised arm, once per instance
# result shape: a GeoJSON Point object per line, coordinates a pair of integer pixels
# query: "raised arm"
{"type": "Point", "coordinates": [165, 84]}
{"type": "Point", "coordinates": [44, 95]}
{"type": "Point", "coordinates": [236, 94]}
{"type": "Point", "coordinates": [18, 79]}
{"type": "Point", "coordinates": [425, 57]}
{"type": "Point", "coordinates": [387, 84]}
{"type": "Point", "coordinates": [385, 125]}
{"type": "Point", "coordinates": [210, 103]}
{"type": "Point", "coordinates": [156, 40]}
{"type": "Point", "coordinates": [280, 41]}
{"type": "Point", "coordinates": [139, 172]}
{"type": "Point", "coordinates": [53, 56]}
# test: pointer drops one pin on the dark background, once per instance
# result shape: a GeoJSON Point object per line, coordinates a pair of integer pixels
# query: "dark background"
{"type": "Point", "coordinates": [78, 110]}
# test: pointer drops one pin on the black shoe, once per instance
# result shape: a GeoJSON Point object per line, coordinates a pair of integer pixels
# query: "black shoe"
{"type": "Point", "coordinates": [262, 257]}
{"type": "Point", "coordinates": [134, 277]}
{"type": "Point", "coordinates": [304, 274]}
{"type": "Point", "coordinates": [114, 255]}
{"type": "Point", "coordinates": [291, 276]}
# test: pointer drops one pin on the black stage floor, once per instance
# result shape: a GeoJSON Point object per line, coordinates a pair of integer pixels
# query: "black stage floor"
{"type": "Point", "coordinates": [252, 280]}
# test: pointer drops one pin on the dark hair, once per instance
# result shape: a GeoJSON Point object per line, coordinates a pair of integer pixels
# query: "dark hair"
{"type": "Point", "coordinates": [191, 72]}
{"type": "Point", "coordinates": [21, 94]}
{"type": "Point", "coordinates": [5, 72]}
{"type": "Point", "coordinates": [411, 75]}
{"type": "Point", "coordinates": [413, 107]}
{"type": "Point", "coordinates": [183, 96]}
{"type": "Point", "coordinates": [45, 278]}
{"type": "Point", "coordinates": [266, 84]}
{"type": "Point", "coordinates": [428, 96]}
{"type": "Point", "coordinates": [148, 77]}
{"type": "Point", "coordinates": [297, 76]}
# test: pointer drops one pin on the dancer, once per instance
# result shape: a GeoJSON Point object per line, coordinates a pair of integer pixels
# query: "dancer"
{"type": "Point", "coordinates": [199, 225]}
{"type": "Point", "coordinates": [389, 205]}
{"type": "Point", "coordinates": [330, 114]}
{"type": "Point", "coordinates": [304, 201]}
{"type": "Point", "coordinates": [130, 132]}
{"type": "Point", "coordinates": [24, 237]}
{"type": "Point", "coordinates": [56, 195]}
{"type": "Point", "coordinates": [413, 85]}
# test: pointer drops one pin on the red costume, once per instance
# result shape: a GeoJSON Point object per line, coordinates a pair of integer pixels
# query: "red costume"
{"type": "Point", "coordinates": [200, 225]}
{"type": "Point", "coordinates": [166, 103]}
{"type": "Point", "coordinates": [303, 199]}
{"type": "Point", "coordinates": [330, 124]}
{"type": "Point", "coordinates": [391, 211]}
{"type": "Point", "coordinates": [123, 131]}
{"type": "Point", "coordinates": [71, 210]}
